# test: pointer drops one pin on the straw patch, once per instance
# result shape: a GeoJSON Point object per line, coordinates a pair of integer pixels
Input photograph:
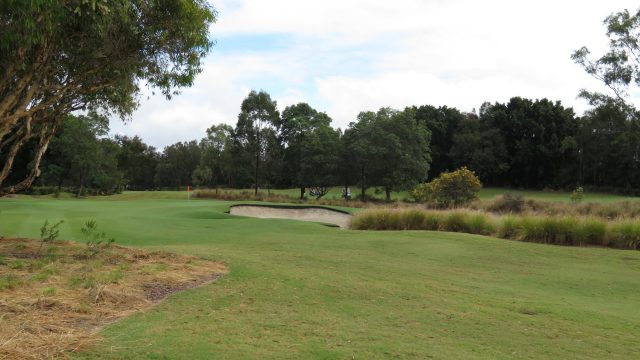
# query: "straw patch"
{"type": "Point", "coordinates": [55, 304]}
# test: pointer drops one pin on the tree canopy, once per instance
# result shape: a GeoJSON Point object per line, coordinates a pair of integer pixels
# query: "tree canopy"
{"type": "Point", "coordinates": [60, 56]}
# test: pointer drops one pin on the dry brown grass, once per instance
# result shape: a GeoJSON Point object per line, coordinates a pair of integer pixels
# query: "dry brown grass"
{"type": "Point", "coordinates": [53, 305]}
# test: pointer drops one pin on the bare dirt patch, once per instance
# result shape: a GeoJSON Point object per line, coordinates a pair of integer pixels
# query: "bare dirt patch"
{"type": "Point", "coordinates": [315, 214]}
{"type": "Point", "coordinates": [54, 303]}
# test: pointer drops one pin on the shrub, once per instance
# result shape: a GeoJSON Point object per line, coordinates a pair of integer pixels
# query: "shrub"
{"type": "Point", "coordinates": [96, 241]}
{"type": "Point", "coordinates": [577, 195]}
{"type": "Point", "coordinates": [507, 203]}
{"type": "Point", "coordinates": [48, 233]}
{"type": "Point", "coordinates": [449, 189]}
{"type": "Point", "coordinates": [10, 282]}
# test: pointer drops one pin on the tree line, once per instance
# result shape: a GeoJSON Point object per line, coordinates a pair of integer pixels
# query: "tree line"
{"type": "Point", "coordinates": [59, 59]}
{"type": "Point", "coordinates": [523, 143]}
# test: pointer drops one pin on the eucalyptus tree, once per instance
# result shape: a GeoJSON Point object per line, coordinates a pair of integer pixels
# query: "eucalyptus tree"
{"type": "Point", "coordinates": [298, 122]}
{"type": "Point", "coordinates": [388, 148]}
{"type": "Point", "coordinates": [57, 57]}
{"type": "Point", "coordinates": [255, 128]}
{"type": "Point", "coordinates": [619, 67]}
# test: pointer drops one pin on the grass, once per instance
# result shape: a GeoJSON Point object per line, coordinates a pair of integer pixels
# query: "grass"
{"type": "Point", "coordinates": [52, 308]}
{"type": "Point", "coordinates": [303, 290]}
{"type": "Point", "coordinates": [546, 229]}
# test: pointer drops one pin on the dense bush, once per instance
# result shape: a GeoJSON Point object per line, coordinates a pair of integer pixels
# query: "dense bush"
{"type": "Point", "coordinates": [559, 230]}
{"type": "Point", "coordinates": [449, 189]}
{"type": "Point", "coordinates": [507, 203]}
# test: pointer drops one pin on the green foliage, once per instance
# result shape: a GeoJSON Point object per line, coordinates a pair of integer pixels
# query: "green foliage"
{"type": "Point", "coordinates": [96, 241]}
{"type": "Point", "coordinates": [64, 56]}
{"type": "Point", "coordinates": [577, 195]}
{"type": "Point", "coordinates": [49, 291]}
{"type": "Point", "coordinates": [49, 233]}
{"type": "Point", "coordinates": [449, 189]}
{"type": "Point", "coordinates": [618, 67]}
{"type": "Point", "coordinates": [388, 148]}
{"type": "Point", "coordinates": [10, 282]}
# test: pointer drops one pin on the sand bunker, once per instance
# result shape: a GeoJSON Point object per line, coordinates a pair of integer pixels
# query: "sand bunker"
{"type": "Point", "coordinates": [306, 213]}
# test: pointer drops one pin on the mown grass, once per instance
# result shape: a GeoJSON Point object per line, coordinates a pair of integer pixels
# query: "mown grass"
{"type": "Point", "coordinates": [303, 290]}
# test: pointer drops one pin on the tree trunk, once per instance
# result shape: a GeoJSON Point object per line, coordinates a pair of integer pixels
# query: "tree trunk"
{"type": "Point", "coordinates": [388, 191]}
{"type": "Point", "coordinates": [363, 188]}
{"type": "Point", "coordinates": [302, 192]}
{"type": "Point", "coordinates": [81, 187]}
{"type": "Point", "coordinates": [256, 172]}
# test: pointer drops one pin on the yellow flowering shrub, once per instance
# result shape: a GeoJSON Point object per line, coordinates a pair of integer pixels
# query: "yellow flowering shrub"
{"type": "Point", "coordinates": [449, 189]}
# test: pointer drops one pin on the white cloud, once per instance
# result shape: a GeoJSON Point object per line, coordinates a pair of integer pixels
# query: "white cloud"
{"type": "Point", "coordinates": [347, 56]}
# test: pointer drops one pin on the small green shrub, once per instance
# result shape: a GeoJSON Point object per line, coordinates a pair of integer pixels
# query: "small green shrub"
{"type": "Point", "coordinates": [449, 189]}
{"type": "Point", "coordinates": [96, 241]}
{"type": "Point", "coordinates": [50, 291]}
{"type": "Point", "coordinates": [18, 265]}
{"type": "Point", "coordinates": [10, 282]}
{"type": "Point", "coordinates": [49, 233]}
{"type": "Point", "coordinates": [577, 195]}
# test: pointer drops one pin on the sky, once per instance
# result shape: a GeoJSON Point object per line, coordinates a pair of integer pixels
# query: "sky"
{"type": "Point", "coordinates": [344, 57]}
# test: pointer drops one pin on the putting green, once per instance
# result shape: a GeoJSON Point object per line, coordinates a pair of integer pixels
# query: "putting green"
{"type": "Point", "coordinates": [303, 290]}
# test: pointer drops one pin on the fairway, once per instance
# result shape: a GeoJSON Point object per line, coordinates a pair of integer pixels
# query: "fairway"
{"type": "Point", "coordinates": [304, 290]}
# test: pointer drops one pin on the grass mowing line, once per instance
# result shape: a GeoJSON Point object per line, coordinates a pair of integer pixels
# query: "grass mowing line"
{"type": "Point", "coordinates": [302, 290]}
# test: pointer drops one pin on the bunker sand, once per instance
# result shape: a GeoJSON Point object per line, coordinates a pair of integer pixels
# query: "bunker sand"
{"type": "Point", "coordinates": [314, 214]}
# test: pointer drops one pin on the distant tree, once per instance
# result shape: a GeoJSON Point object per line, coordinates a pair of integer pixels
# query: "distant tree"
{"type": "Point", "coordinates": [60, 56]}
{"type": "Point", "coordinates": [177, 164]}
{"type": "Point", "coordinates": [481, 148]}
{"type": "Point", "coordinates": [389, 148]}
{"type": "Point", "coordinates": [137, 161]}
{"type": "Point", "coordinates": [320, 154]}
{"type": "Point", "coordinates": [87, 160]}
{"type": "Point", "coordinates": [442, 122]}
{"type": "Point", "coordinates": [201, 175]}
{"type": "Point", "coordinates": [536, 136]}
{"type": "Point", "coordinates": [213, 147]}
{"type": "Point", "coordinates": [296, 124]}
{"type": "Point", "coordinates": [257, 118]}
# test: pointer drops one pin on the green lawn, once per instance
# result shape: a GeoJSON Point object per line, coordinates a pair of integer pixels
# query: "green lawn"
{"type": "Point", "coordinates": [303, 290]}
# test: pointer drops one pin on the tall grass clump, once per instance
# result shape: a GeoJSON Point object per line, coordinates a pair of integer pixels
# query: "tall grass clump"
{"type": "Point", "coordinates": [625, 234]}
{"type": "Point", "coordinates": [558, 230]}
{"type": "Point", "coordinates": [508, 227]}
